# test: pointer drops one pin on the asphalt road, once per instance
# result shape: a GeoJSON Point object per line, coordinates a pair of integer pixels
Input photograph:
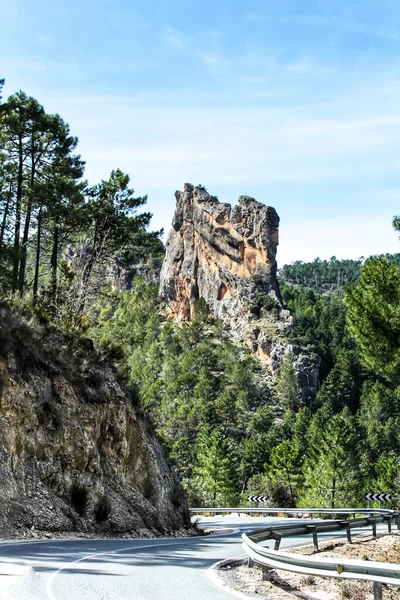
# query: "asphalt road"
{"type": "Point", "coordinates": [156, 569]}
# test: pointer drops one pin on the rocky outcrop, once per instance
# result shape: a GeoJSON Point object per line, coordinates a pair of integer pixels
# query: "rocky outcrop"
{"type": "Point", "coordinates": [222, 254]}
{"type": "Point", "coordinates": [75, 452]}
{"type": "Point", "coordinates": [227, 255]}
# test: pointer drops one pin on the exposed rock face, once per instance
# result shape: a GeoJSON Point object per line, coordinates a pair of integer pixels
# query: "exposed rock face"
{"type": "Point", "coordinates": [213, 250]}
{"type": "Point", "coordinates": [227, 256]}
{"type": "Point", "coordinates": [75, 452]}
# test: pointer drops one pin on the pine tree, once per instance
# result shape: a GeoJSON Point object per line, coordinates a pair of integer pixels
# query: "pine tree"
{"type": "Point", "coordinates": [37, 162]}
{"type": "Point", "coordinates": [373, 316]}
{"type": "Point", "coordinates": [284, 467]}
{"type": "Point", "coordinates": [342, 386]}
{"type": "Point", "coordinates": [288, 390]}
{"type": "Point", "coordinates": [331, 468]}
{"type": "Point", "coordinates": [216, 471]}
{"type": "Point", "coordinates": [111, 224]}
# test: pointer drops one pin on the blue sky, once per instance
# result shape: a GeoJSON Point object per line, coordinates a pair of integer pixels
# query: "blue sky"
{"type": "Point", "coordinates": [295, 102]}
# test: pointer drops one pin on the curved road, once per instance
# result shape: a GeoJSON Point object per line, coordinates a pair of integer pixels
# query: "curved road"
{"type": "Point", "coordinates": [155, 569]}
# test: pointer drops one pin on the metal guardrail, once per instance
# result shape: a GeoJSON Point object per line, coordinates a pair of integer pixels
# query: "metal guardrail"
{"type": "Point", "coordinates": [378, 572]}
{"type": "Point", "coordinates": [295, 511]}
{"type": "Point", "coordinates": [277, 532]}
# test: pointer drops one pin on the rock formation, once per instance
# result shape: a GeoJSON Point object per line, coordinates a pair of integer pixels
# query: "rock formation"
{"type": "Point", "coordinates": [75, 452]}
{"type": "Point", "coordinates": [213, 250]}
{"type": "Point", "coordinates": [226, 255]}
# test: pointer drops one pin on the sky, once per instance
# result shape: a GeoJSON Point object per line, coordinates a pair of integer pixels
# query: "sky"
{"type": "Point", "coordinates": [293, 102]}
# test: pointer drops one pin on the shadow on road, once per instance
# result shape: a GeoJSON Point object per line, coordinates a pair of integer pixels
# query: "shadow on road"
{"type": "Point", "coordinates": [117, 557]}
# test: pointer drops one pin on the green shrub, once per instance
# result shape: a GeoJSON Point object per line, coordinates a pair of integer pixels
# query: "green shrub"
{"type": "Point", "coordinates": [269, 303]}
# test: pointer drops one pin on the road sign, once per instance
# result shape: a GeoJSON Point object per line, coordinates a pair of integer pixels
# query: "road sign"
{"type": "Point", "coordinates": [381, 497]}
{"type": "Point", "coordinates": [258, 498]}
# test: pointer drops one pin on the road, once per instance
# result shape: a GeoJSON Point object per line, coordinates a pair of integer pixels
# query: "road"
{"type": "Point", "coordinates": [155, 569]}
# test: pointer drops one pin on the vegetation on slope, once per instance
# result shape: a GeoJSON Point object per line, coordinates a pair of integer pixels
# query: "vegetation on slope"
{"type": "Point", "coordinates": [66, 253]}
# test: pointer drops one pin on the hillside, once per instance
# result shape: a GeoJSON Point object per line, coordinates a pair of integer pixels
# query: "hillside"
{"type": "Point", "coordinates": [287, 388]}
{"type": "Point", "coordinates": [325, 275]}
{"type": "Point", "coordinates": [76, 452]}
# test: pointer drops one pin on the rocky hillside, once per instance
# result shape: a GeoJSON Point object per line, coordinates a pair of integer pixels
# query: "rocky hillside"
{"type": "Point", "coordinates": [75, 452]}
{"type": "Point", "coordinates": [226, 255]}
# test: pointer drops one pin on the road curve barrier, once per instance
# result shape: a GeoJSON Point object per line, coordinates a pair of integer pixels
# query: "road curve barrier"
{"type": "Point", "coordinates": [378, 572]}
{"type": "Point", "coordinates": [295, 511]}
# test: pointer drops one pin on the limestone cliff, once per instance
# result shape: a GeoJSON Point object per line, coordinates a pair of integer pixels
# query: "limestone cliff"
{"type": "Point", "coordinates": [227, 255]}
{"type": "Point", "coordinates": [75, 452]}
{"type": "Point", "coordinates": [213, 250]}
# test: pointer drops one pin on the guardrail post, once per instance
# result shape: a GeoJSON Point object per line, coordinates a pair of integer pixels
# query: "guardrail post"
{"type": "Point", "coordinates": [313, 530]}
{"type": "Point", "coordinates": [389, 524]}
{"type": "Point", "coordinates": [348, 533]}
{"type": "Point", "coordinates": [346, 526]}
{"type": "Point", "coordinates": [277, 537]}
{"type": "Point", "coordinates": [398, 521]}
{"type": "Point", "coordinates": [265, 573]}
{"type": "Point", "coordinates": [374, 529]}
{"type": "Point", "coordinates": [377, 590]}
{"type": "Point", "coordinates": [250, 562]}
{"type": "Point", "coordinates": [315, 539]}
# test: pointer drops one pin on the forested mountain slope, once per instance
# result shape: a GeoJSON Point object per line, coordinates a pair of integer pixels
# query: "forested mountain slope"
{"type": "Point", "coordinates": [356, 333]}
{"type": "Point", "coordinates": [325, 275]}
{"type": "Point", "coordinates": [315, 421]}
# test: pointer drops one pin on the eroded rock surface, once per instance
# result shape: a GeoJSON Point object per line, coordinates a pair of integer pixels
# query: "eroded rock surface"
{"type": "Point", "coordinates": [227, 255]}
{"type": "Point", "coordinates": [75, 452]}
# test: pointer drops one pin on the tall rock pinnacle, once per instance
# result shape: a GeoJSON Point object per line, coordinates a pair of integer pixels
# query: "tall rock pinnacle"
{"type": "Point", "coordinates": [225, 255]}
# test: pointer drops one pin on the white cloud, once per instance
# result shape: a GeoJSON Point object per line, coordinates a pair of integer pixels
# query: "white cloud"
{"type": "Point", "coordinates": [263, 64]}
{"type": "Point", "coordinates": [173, 38]}
{"type": "Point", "coordinates": [27, 64]}
{"type": "Point", "coordinates": [282, 152]}
{"type": "Point", "coordinates": [166, 146]}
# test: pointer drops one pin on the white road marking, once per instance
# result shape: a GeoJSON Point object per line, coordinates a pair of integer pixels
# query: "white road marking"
{"type": "Point", "coordinates": [49, 583]}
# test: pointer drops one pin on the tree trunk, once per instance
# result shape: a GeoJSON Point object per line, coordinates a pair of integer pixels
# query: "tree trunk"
{"type": "Point", "coordinates": [17, 229]}
{"type": "Point", "coordinates": [5, 215]}
{"type": "Point", "coordinates": [290, 486]}
{"type": "Point", "coordinates": [333, 492]}
{"type": "Point", "coordinates": [21, 282]}
{"type": "Point", "coordinates": [87, 271]}
{"type": "Point", "coordinates": [37, 260]}
{"type": "Point", "coordinates": [54, 264]}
